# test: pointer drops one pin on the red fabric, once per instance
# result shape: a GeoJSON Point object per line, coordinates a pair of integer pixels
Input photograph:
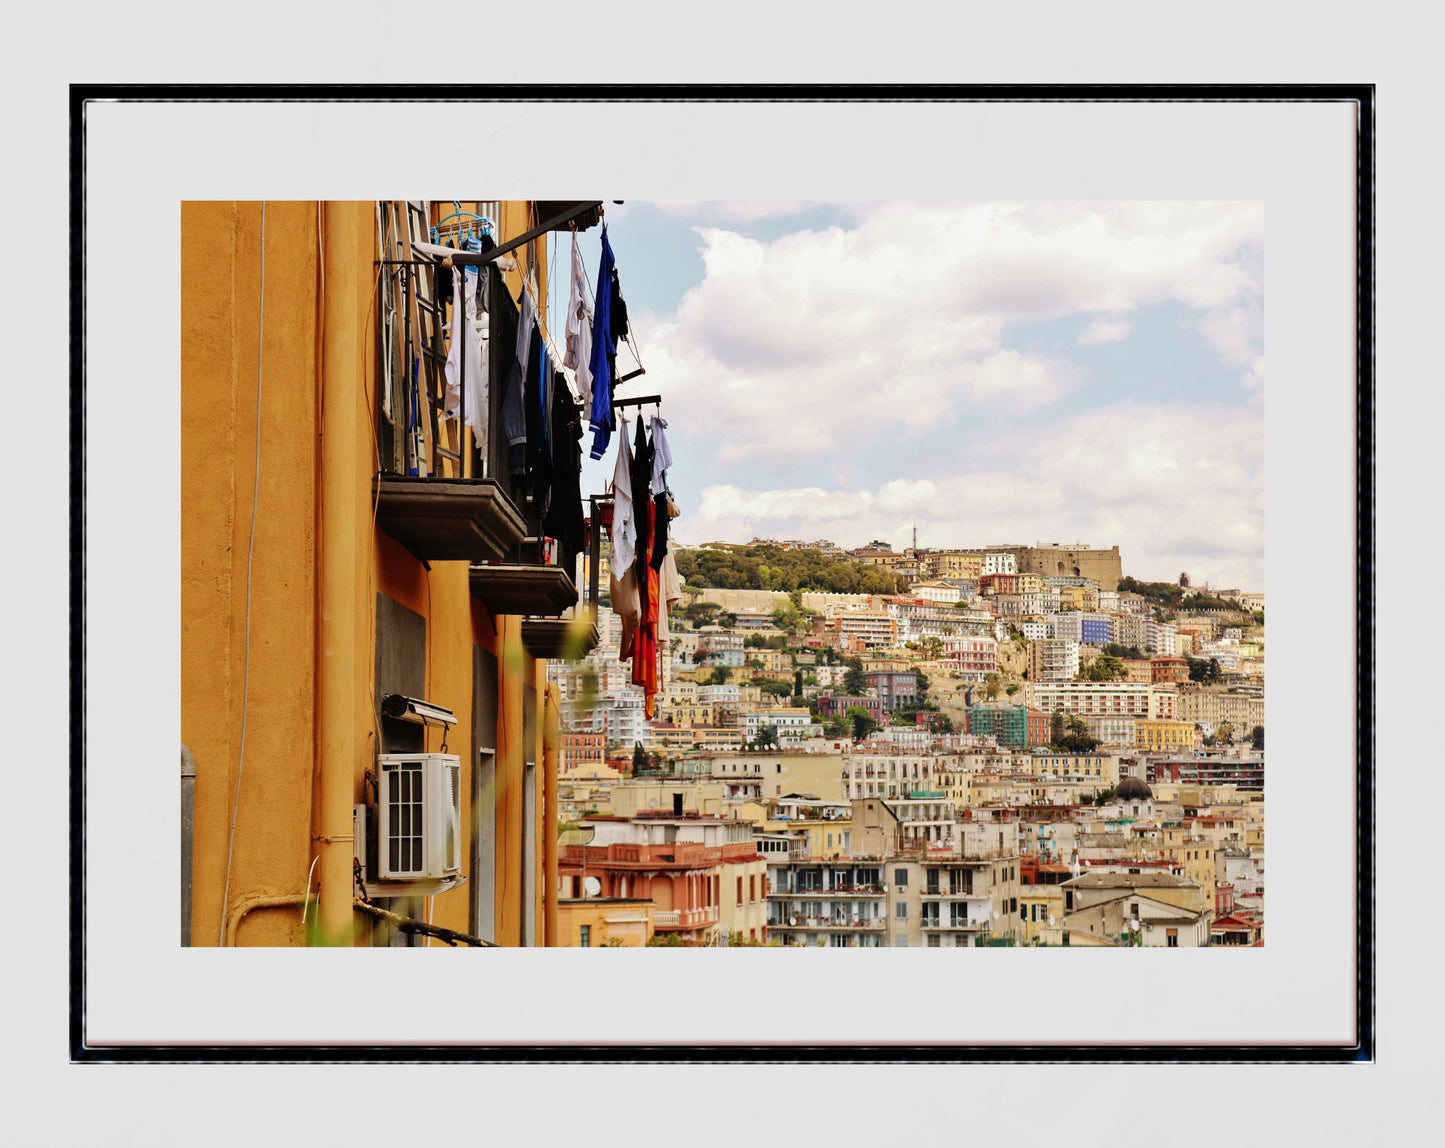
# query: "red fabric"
{"type": "Point", "coordinates": [644, 645]}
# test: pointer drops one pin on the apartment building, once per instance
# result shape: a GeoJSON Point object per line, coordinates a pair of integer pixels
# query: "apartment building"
{"type": "Point", "coordinates": [1010, 724]}
{"type": "Point", "coordinates": [972, 657]}
{"type": "Point", "coordinates": [1078, 626]}
{"type": "Point", "coordinates": [687, 867]}
{"type": "Point", "coordinates": [895, 688]}
{"type": "Point", "coordinates": [1213, 705]}
{"type": "Point", "coordinates": [1053, 660]}
{"type": "Point", "coordinates": [1100, 699]}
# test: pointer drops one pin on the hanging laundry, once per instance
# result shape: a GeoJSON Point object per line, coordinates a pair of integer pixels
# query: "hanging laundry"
{"type": "Point", "coordinates": [644, 647]}
{"type": "Point", "coordinates": [623, 558]}
{"type": "Point", "coordinates": [604, 355]}
{"type": "Point", "coordinates": [579, 331]}
{"type": "Point", "coordinates": [624, 527]}
{"type": "Point", "coordinates": [661, 455]}
{"type": "Point", "coordinates": [564, 520]}
{"type": "Point", "coordinates": [617, 316]}
{"type": "Point", "coordinates": [661, 461]}
{"type": "Point", "coordinates": [641, 503]}
{"type": "Point", "coordinates": [536, 472]}
{"type": "Point", "coordinates": [670, 591]}
{"type": "Point", "coordinates": [514, 410]}
{"type": "Point", "coordinates": [466, 335]}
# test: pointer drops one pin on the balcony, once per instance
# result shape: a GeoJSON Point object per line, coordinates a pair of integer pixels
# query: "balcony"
{"type": "Point", "coordinates": [521, 590]}
{"type": "Point", "coordinates": [565, 638]}
{"type": "Point", "coordinates": [685, 918]}
{"type": "Point", "coordinates": [941, 891]}
{"type": "Point", "coordinates": [448, 519]}
{"type": "Point", "coordinates": [835, 891]}
{"type": "Point", "coordinates": [850, 924]}
{"type": "Point", "coordinates": [955, 924]}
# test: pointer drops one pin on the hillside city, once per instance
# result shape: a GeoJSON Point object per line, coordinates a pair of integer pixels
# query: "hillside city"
{"type": "Point", "coordinates": [996, 746]}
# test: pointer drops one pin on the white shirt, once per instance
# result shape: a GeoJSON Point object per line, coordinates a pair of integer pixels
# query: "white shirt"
{"type": "Point", "coordinates": [661, 454]}
{"type": "Point", "coordinates": [624, 530]}
{"type": "Point", "coordinates": [579, 332]}
{"type": "Point", "coordinates": [465, 332]}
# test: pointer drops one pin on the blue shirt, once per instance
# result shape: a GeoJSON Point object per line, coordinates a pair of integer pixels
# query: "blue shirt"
{"type": "Point", "coordinates": [603, 351]}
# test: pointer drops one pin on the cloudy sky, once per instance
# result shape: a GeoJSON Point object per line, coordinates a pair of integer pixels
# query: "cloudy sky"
{"type": "Point", "coordinates": [993, 372]}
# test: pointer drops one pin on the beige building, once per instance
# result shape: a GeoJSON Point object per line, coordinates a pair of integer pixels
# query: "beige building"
{"type": "Point", "coordinates": [1215, 704]}
{"type": "Point", "coordinates": [603, 922]}
{"type": "Point", "coordinates": [1171, 911]}
{"type": "Point", "coordinates": [785, 772]}
{"type": "Point", "coordinates": [1053, 660]}
{"type": "Point", "coordinates": [629, 798]}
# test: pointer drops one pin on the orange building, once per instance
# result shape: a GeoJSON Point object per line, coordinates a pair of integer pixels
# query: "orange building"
{"type": "Point", "coordinates": [604, 922]}
{"type": "Point", "coordinates": [1169, 669]}
{"type": "Point", "coordinates": [695, 888]}
{"type": "Point", "coordinates": [362, 651]}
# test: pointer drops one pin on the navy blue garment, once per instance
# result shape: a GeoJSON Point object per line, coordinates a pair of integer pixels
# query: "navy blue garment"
{"type": "Point", "coordinates": [604, 352]}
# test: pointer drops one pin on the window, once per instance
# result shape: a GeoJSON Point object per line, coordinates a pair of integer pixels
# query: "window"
{"type": "Point", "coordinates": [586, 939]}
{"type": "Point", "coordinates": [900, 910]}
{"type": "Point", "coordinates": [933, 941]}
{"type": "Point", "coordinates": [900, 942]}
{"type": "Point", "coordinates": [900, 878]}
{"type": "Point", "coordinates": [1171, 938]}
{"type": "Point", "coordinates": [778, 768]}
{"type": "Point", "coordinates": [740, 890]}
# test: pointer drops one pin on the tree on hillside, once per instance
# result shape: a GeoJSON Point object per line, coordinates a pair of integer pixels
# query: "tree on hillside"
{"type": "Point", "coordinates": [798, 683]}
{"type": "Point", "coordinates": [720, 675]}
{"type": "Point", "coordinates": [854, 681]}
{"type": "Point", "coordinates": [863, 723]}
{"type": "Point", "coordinates": [1074, 737]}
{"type": "Point", "coordinates": [1256, 737]}
{"type": "Point", "coordinates": [1184, 580]}
{"type": "Point", "coordinates": [1205, 671]}
{"type": "Point", "coordinates": [766, 738]}
{"type": "Point", "coordinates": [1105, 668]}
{"type": "Point", "coordinates": [639, 759]}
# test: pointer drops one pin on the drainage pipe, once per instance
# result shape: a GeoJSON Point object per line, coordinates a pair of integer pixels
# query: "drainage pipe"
{"type": "Point", "coordinates": [188, 832]}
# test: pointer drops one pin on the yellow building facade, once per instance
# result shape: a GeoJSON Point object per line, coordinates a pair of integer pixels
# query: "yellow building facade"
{"type": "Point", "coordinates": [1164, 736]}
{"type": "Point", "coordinates": [300, 610]}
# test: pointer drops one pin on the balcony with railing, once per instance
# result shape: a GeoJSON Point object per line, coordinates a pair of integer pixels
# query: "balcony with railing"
{"type": "Point", "coordinates": [685, 918]}
{"type": "Point", "coordinates": [819, 924]}
{"type": "Point", "coordinates": [953, 923]}
{"type": "Point", "coordinates": [449, 487]}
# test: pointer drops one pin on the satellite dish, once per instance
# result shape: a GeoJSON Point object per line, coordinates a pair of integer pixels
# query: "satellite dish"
{"type": "Point", "coordinates": [995, 914]}
{"type": "Point", "coordinates": [1051, 918]}
{"type": "Point", "coordinates": [591, 886]}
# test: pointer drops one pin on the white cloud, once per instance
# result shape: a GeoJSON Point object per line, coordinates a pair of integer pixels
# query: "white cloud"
{"type": "Point", "coordinates": [1175, 489]}
{"type": "Point", "coordinates": [1105, 331]}
{"type": "Point", "coordinates": [1236, 333]}
{"type": "Point", "coordinates": [896, 324]}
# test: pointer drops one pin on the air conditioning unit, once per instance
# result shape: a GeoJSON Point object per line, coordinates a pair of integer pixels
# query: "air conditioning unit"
{"type": "Point", "coordinates": [418, 816]}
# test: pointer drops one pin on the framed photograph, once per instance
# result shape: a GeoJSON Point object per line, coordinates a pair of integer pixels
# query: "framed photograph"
{"type": "Point", "coordinates": [1063, 328]}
